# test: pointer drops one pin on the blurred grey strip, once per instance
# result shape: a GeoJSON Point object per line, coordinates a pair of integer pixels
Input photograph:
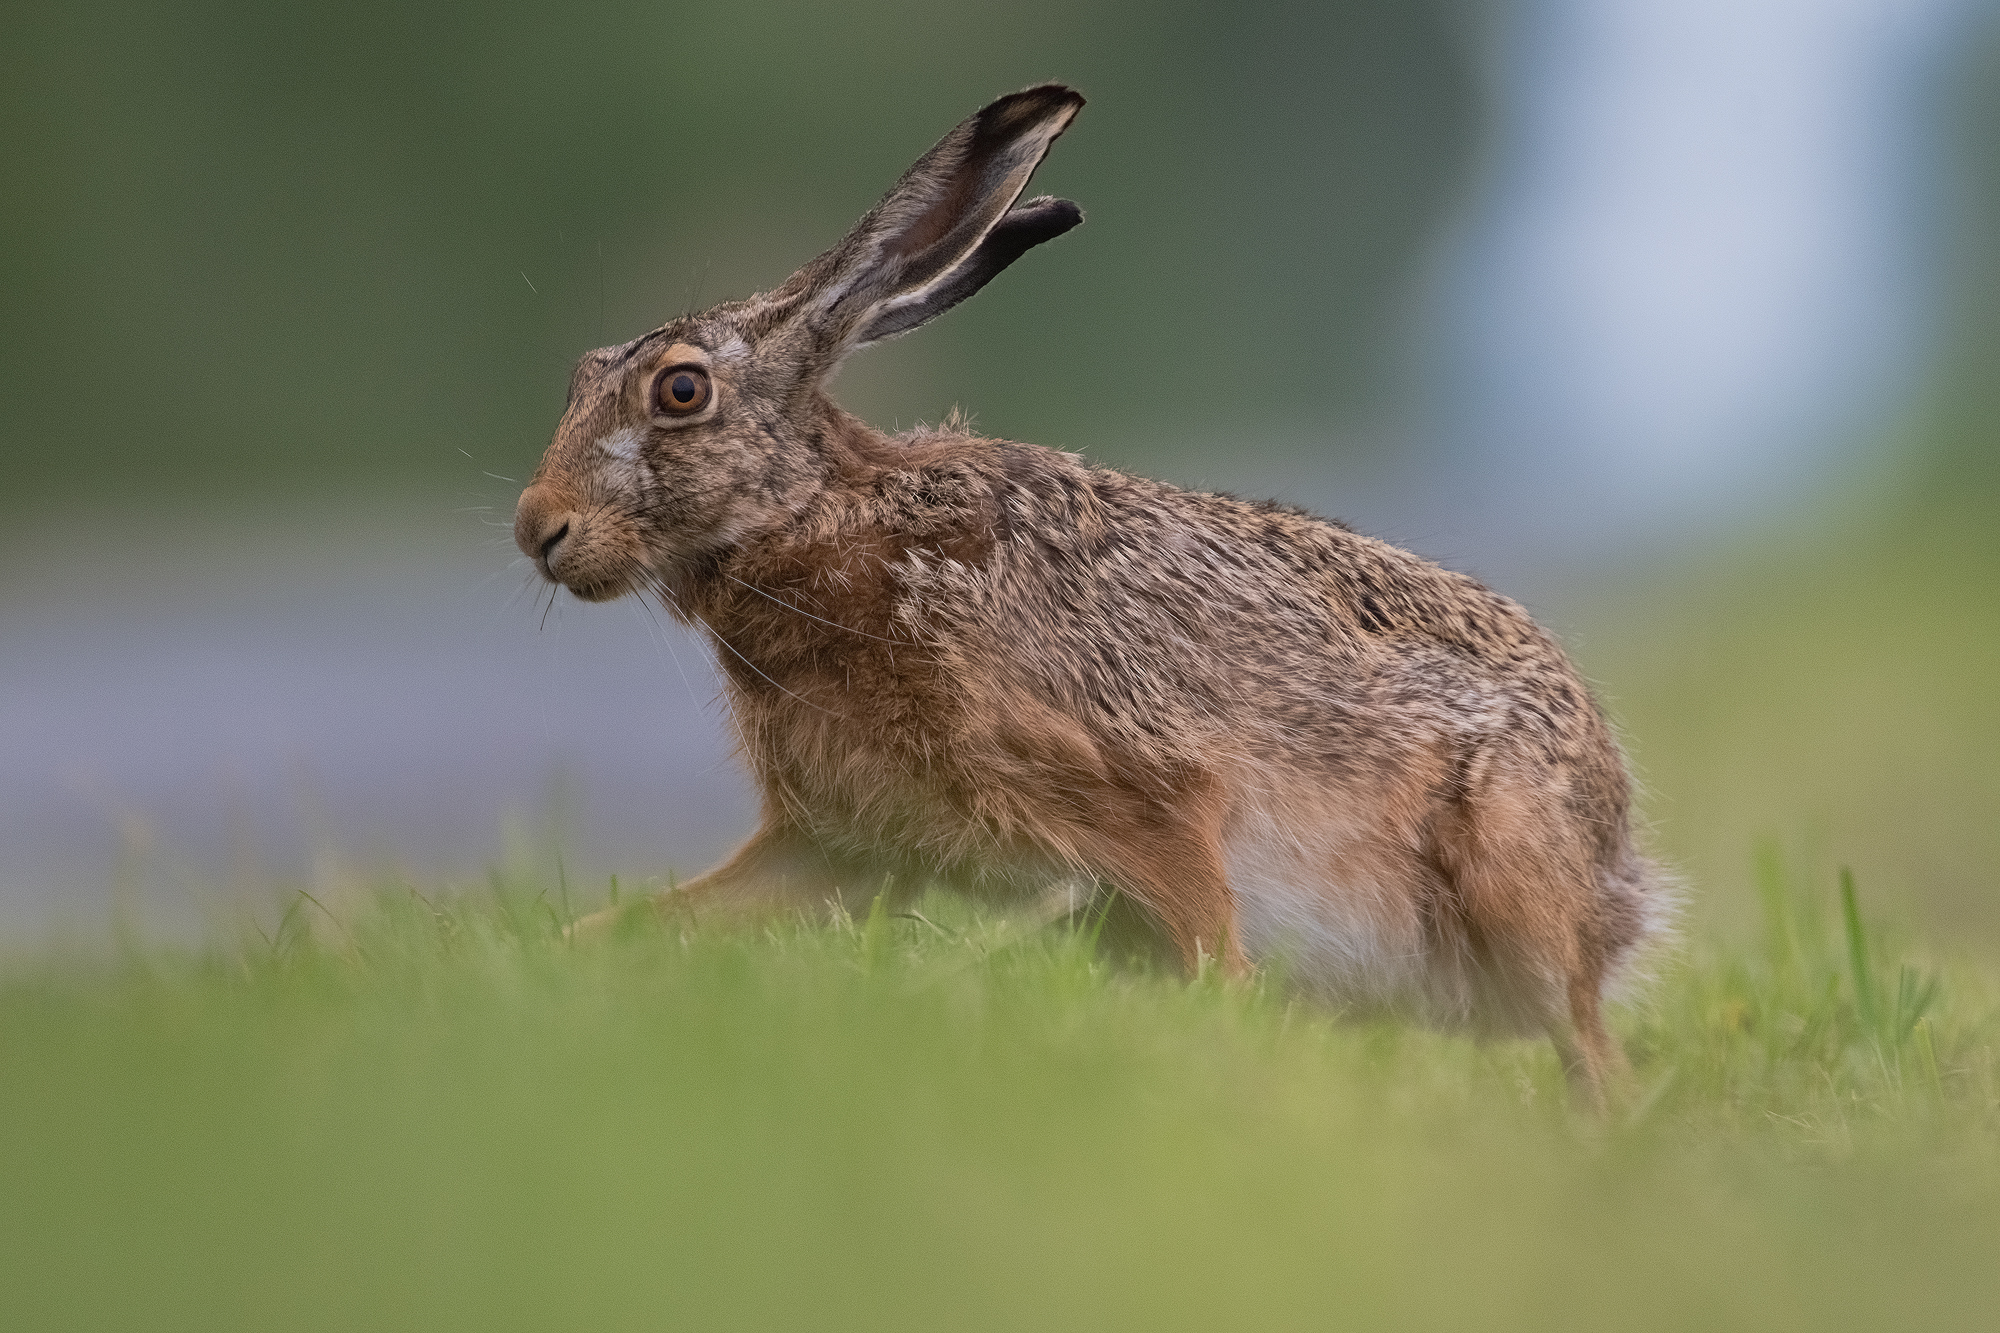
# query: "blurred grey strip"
{"type": "Point", "coordinates": [353, 693]}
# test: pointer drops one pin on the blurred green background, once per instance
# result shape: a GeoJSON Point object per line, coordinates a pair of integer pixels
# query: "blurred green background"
{"type": "Point", "coordinates": [255, 248]}
{"type": "Point", "coordinates": [275, 272]}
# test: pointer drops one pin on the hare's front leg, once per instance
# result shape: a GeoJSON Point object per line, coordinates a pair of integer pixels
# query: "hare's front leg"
{"type": "Point", "coordinates": [779, 868]}
{"type": "Point", "coordinates": [1169, 860]}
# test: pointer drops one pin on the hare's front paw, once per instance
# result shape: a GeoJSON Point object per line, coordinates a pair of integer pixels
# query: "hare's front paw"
{"type": "Point", "coordinates": [634, 914]}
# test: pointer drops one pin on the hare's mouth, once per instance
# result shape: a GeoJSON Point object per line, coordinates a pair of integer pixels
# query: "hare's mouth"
{"type": "Point", "coordinates": [599, 592]}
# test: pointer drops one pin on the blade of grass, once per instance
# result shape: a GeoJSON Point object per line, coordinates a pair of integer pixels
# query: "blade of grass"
{"type": "Point", "coordinates": [1857, 954]}
{"type": "Point", "coordinates": [1927, 1053]}
{"type": "Point", "coordinates": [1779, 942]}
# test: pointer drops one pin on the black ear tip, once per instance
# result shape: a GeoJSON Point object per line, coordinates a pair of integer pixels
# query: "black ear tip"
{"type": "Point", "coordinates": [1040, 102]}
{"type": "Point", "coordinates": [1038, 220]}
{"type": "Point", "coordinates": [1057, 216]}
{"type": "Point", "coordinates": [1055, 94]}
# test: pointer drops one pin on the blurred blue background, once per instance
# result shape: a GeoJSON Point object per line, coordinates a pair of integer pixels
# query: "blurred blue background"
{"type": "Point", "coordinates": [1674, 320]}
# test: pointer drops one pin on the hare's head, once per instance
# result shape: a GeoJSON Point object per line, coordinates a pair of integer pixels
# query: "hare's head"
{"type": "Point", "coordinates": [713, 427]}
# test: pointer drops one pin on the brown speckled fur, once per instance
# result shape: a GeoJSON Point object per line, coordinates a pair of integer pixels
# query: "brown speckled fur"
{"type": "Point", "coordinates": [989, 664]}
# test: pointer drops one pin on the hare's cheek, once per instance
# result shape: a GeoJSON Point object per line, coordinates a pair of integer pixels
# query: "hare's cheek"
{"type": "Point", "coordinates": [622, 453]}
{"type": "Point", "coordinates": [623, 462]}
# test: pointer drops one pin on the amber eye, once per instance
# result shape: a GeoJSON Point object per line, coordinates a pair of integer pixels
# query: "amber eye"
{"type": "Point", "coordinates": [682, 389]}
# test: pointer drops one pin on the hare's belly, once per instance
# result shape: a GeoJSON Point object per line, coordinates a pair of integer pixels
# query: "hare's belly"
{"type": "Point", "coordinates": [1336, 914]}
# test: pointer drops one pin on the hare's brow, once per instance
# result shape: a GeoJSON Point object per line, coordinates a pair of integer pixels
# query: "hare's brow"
{"type": "Point", "coordinates": [638, 344]}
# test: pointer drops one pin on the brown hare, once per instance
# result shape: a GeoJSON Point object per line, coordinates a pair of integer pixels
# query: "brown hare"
{"type": "Point", "coordinates": [986, 664]}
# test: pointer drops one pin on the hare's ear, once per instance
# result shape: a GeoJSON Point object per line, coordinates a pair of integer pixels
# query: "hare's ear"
{"type": "Point", "coordinates": [944, 229]}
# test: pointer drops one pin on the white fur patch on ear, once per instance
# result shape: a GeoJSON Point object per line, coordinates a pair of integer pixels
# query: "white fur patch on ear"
{"type": "Point", "coordinates": [623, 444]}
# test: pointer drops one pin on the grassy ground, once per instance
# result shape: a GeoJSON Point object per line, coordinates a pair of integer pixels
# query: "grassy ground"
{"type": "Point", "coordinates": [443, 1116]}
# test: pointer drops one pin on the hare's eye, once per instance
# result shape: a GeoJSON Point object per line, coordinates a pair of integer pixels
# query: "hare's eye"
{"type": "Point", "coordinates": [682, 389]}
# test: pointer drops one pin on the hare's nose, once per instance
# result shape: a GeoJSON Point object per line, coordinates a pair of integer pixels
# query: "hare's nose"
{"type": "Point", "coordinates": [553, 533]}
{"type": "Point", "coordinates": [554, 539]}
{"type": "Point", "coordinates": [543, 527]}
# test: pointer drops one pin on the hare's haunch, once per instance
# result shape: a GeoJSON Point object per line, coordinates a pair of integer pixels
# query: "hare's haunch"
{"type": "Point", "coordinates": [987, 664]}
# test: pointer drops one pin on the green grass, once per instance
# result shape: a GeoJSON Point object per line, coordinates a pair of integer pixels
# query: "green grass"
{"type": "Point", "coordinates": [437, 1117]}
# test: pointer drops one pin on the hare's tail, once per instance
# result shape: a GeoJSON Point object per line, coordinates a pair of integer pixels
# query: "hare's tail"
{"type": "Point", "coordinates": [1646, 901]}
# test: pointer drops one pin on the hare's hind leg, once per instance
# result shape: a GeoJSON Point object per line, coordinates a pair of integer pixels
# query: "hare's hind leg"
{"type": "Point", "coordinates": [1591, 1056]}
{"type": "Point", "coordinates": [1525, 898]}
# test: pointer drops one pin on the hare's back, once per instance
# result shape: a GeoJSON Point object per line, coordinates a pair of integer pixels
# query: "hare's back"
{"type": "Point", "coordinates": [1167, 610]}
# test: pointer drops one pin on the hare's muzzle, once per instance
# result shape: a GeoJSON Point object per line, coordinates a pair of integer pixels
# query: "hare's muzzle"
{"type": "Point", "coordinates": [569, 547]}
